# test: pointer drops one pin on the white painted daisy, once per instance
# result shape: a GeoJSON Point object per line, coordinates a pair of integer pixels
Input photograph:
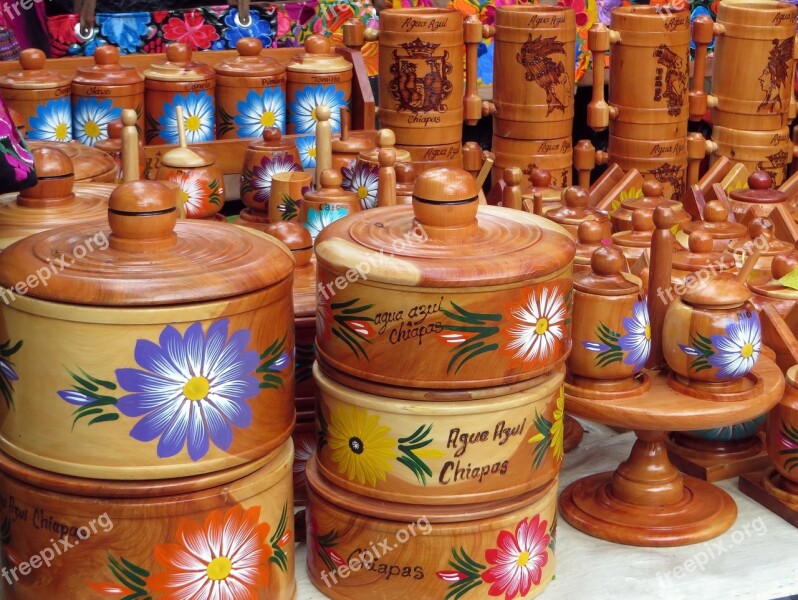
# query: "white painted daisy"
{"type": "Point", "coordinates": [637, 342]}
{"type": "Point", "coordinates": [737, 351]}
{"type": "Point", "coordinates": [307, 151]}
{"type": "Point", "coordinates": [362, 179]}
{"type": "Point", "coordinates": [259, 111]}
{"type": "Point", "coordinates": [303, 108]}
{"type": "Point", "coordinates": [90, 118]}
{"type": "Point", "coordinates": [199, 115]}
{"type": "Point", "coordinates": [539, 325]}
{"type": "Point", "coordinates": [195, 191]}
{"type": "Point", "coordinates": [319, 219]}
{"type": "Point", "coordinates": [53, 121]}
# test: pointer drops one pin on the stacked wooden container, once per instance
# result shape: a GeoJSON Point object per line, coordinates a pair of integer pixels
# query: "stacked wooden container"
{"type": "Point", "coordinates": [441, 336]}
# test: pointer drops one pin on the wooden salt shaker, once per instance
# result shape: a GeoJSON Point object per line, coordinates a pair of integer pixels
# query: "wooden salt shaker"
{"type": "Point", "coordinates": [327, 204]}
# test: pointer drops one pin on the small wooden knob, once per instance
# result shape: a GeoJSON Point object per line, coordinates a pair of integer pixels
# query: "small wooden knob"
{"type": "Point", "coordinates": [700, 242]}
{"type": "Point", "coordinates": [761, 227]}
{"type": "Point", "coordinates": [643, 220]}
{"type": "Point", "coordinates": [330, 178]}
{"type": "Point", "coordinates": [115, 130]}
{"type": "Point", "coordinates": [178, 52]}
{"type": "Point", "coordinates": [445, 202]}
{"type": "Point", "coordinates": [386, 138]}
{"type": "Point", "coordinates": [703, 29]}
{"type": "Point", "coordinates": [387, 157]}
{"type": "Point", "coordinates": [294, 235]}
{"type": "Point", "coordinates": [271, 134]}
{"type": "Point", "coordinates": [760, 180]}
{"type": "Point", "coordinates": [405, 173]}
{"type": "Point", "coordinates": [323, 112]}
{"type": "Point", "coordinates": [142, 216]}
{"type": "Point", "coordinates": [715, 212]}
{"type": "Point", "coordinates": [576, 197]}
{"type": "Point", "coordinates": [317, 44]}
{"type": "Point", "coordinates": [32, 59]}
{"type": "Point", "coordinates": [783, 264]}
{"type": "Point", "coordinates": [55, 178]}
{"type": "Point", "coordinates": [652, 189]}
{"type": "Point", "coordinates": [662, 218]}
{"type": "Point", "coordinates": [607, 261]}
{"type": "Point", "coordinates": [540, 178]}
{"type": "Point", "coordinates": [249, 46]}
{"type": "Point", "coordinates": [512, 176]}
{"type": "Point", "coordinates": [590, 233]}
{"type": "Point", "coordinates": [106, 55]}
{"type": "Point", "coordinates": [129, 118]}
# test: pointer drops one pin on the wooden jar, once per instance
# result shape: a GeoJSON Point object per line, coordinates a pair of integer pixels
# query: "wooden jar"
{"type": "Point", "coordinates": [768, 151]}
{"type": "Point", "coordinates": [263, 158]}
{"type": "Point", "coordinates": [434, 556]}
{"type": "Point", "coordinates": [754, 67]}
{"type": "Point", "coordinates": [53, 201]}
{"type": "Point", "coordinates": [133, 327]}
{"type": "Point", "coordinates": [327, 204]}
{"type": "Point", "coordinates": [41, 97]}
{"type": "Point", "coordinates": [444, 293]}
{"type": "Point", "coordinates": [534, 98]}
{"type": "Point", "coordinates": [180, 81]}
{"type": "Point", "coordinates": [421, 89]}
{"type": "Point", "coordinates": [319, 77]}
{"type": "Point", "coordinates": [716, 223]}
{"type": "Point", "coordinates": [100, 92]}
{"type": "Point", "coordinates": [250, 93]}
{"type": "Point", "coordinates": [361, 178]}
{"type": "Point", "coordinates": [89, 163]}
{"type": "Point", "coordinates": [758, 196]}
{"type": "Point", "coordinates": [200, 180]}
{"type": "Point", "coordinates": [575, 210]}
{"type": "Point", "coordinates": [651, 199]}
{"type": "Point", "coordinates": [140, 539]}
{"type": "Point", "coordinates": [782, 442]}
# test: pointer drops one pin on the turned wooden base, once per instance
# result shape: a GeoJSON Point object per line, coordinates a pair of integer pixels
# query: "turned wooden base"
{"type": "Point", "coordinates": [716, 461]}
{"type": "Point", "coordinates": [647, 502]}
{"type": "Point", "coordinates": [573, 433]}
{"type": "Point", "coordinates": [773, 492]}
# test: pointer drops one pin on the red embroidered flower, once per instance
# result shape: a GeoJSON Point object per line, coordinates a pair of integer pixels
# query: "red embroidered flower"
{"type": "Point", "coordinates": [582, 17]}
{"type": "Point", "coordinates": [191, 30]}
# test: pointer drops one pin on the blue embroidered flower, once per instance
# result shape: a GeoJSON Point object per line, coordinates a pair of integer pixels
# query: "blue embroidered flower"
{"type": "Point", "coordinates": [485, 63]}
{"type": "Point", "coordinates": [259, 111]}
{"type": "Point", "coordinates": [319, 219]}
{"type": "Point", "coordinates": [257, 28]}
{"type": "Point", "coordinates": [193, 388]}
{"type": "Point", "coordinates": [90, 118]}
{"type": "Point", "coordinates": [307, 151]}
{"type": "Point", "coordinates": [198, 113]}
{"type": "Point", "coordinates": [125, 30]}
{"type": "Point", "coordinates": [53, 121]}
{"type": "Point", "coordinates": [303, 108]}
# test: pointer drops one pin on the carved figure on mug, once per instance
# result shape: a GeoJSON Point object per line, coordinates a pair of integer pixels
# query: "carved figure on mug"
{"type": "Point", "coordinates": [774, 75]}
{"type": "Point", "coordinates": [535, 57]}
{"type": "Point", "coordinates": [675, 78]}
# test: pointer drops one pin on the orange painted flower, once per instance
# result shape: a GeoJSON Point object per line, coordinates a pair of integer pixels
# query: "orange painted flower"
{"type": "Point", "coordinates": [226, 558]}
{"type": "Point", "coordinates": [195, 191]}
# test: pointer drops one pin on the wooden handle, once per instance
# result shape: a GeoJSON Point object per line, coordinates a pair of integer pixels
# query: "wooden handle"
{"type": "Point", "coordinates": [696, 151]}
{"type": "Point", "coordinates": [659, 281]}
{"type": "Point", "coordinates": [584, 162]}
{"type": "Point", "coordinates": [511, 194]}
{"type": "Point", "coordinates": [598, 111]}
{"type": "Point", "coordinates": [354, 31]}
{"type": "Point", "coordinates": [488, 108]}
{"type": "Point", "coordinates": [323, 139]}
{"type": "Point", "coordinates": [472, 103]}
{"type": "Point", "coordinates": [181, 127]}
{"type": "Point", "coordinates": [130, 145]}
{"type": "Point", "coordinates": [749, 264]}
{"type": "Point", "coordinates": [485, 170]}
{"type": "Point", "coordinates": [702, 38]}
{"type": "Point", "coordinates": [472, 158]}
{"type": "Point", "coordinates": [386, 182]}
{"type": "Point", "coordinates": [346, 123]}
{"type": "Point", "coordinates": [488, 31]}
{"type": "Point", "coordinates": [602, 157]}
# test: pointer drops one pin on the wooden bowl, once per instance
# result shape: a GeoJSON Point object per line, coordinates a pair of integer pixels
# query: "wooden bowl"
{"type": "Point", "coordinates": [127, 539]}
{"type": "Point", "coordinates": [436, 555]}
{"type": "Point", "coordinates": [423, 449]}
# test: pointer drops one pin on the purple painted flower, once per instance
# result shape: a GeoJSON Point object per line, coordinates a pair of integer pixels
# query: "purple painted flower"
{"type": "Point", "coordinates": [595, 346]}
{"type": "Point", "coordinates": [262, 175]}
{"type": "Point", "coordinates": [192, 388]}
{"type": "Point", "coordinates": [75, 397]}
{"type": "Point", "coordinates": [605, 8]}
{"type": "Point", "coordinates": [738, 350]}
{"type": "Point", "coordinates": [637, 342]}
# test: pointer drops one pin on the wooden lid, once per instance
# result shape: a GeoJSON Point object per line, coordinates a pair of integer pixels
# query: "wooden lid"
{"type": "Point", "coordinates": [651, 199]}
{"type": "Point", "coordinates": [106, 70]}
{"type": "Point", "coordinates": [179, 66]}
{"type": "Point", "coordinates": [385, 139]}
{"type": "Point", "coordinates": [330, 189]}
{"type": "Point", "coordinates": [759, 192]}
{"type": "Point", "coordinates": [721, 292]}
{"type": "Point", "coordinates": [272, 141]}
{"type": "Point", "coordinates": [642, 230]}
{"type": "Point", "coordinates": [768, 284]}
{"type": "Point", "coordinates": [250, 62]}
{"type": "Point", "coordinates": [446, 239]}
{"type": "Point", "coordinates": [89, 162]}
{"type": "Point", "coordinates": [592, 235]}
{"type": "Point", "coordinates": [540, 181]}
{"type": "Point", "coordinates": [33, 74]}
{"type": "Point", "coordinates": [352, 142]}
{"type": "Point", "coordinates": [55, 178]}
{"type": "Point", "coordinates": [763, 228]}
{"type": "Point", "coordinates": [576, 200]}
{"type": "Point", "coordinates": [319, 58]}
{"type": "Point", "coordinates": [701, 253]}
{"type": "Point", "coordinates": [716, 222]}
{"type": "Point", "coordinates": [195, 157]}
{"type": "Point", "coordinates": [605, 277]}
{"type": "Point", "coordinates": [147, 258]}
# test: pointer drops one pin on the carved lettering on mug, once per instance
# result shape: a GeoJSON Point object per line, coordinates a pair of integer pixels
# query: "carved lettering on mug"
{"type": "Point", "coordinates": [431, 25]}
{"type": "Point", "coordinates": [778, 139]}
{"type": "Point", "coordinates": [441, 153]}
{"type": "Point", "coordinates": [199, 86]}
{"type": "Point", "coordinates": [325, 78]}
{"type": "Point", "coordinates": [550, 21]}
{"type": "Point", "coordinates": [782, 17]}
{"type": "Point", "coordinates": [674, 23]}
{"type": "Point", "coordinates": [98, 91]}
{"type": "Point", "coordinates": [552, 147]}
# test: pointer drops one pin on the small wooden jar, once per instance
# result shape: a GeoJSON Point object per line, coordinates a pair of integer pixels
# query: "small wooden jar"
{"type": "Point", "coordinates": [662, 161]}
{"type": "Point", "coordinates": [327, 204]}
{"type": "Point", "coordinates": [140, 538]}
{"type": "Point", "coordinates": [444, 293]}
{"type": "Point", "coordinates": [712, 333]}
{"type": "Point", "coordinates": [590, 235]}
{"type": "Point", "coordinates": [264, 157]}
{"type": "Point", "coordinates": [759, 196]}
{"type": "Point", "coordinates": [90, 164]}
{"type": "Point", "coordinates": [99, 94]}
{"type": "Point", "coordinates": [699, 260]}
{"type": "Point", "coordinates": [180, 81]}
{"type": "Point", "coordinates": [635, 242]}
{"type": "Point", "coordinates": [200, 180]}
{"type": "Point", "coordinates": [651, 199]}
{"type": "Point", "coordinates": [433, 556]}
{"type": "Point", "coordinates": [317, 77]}
{"type": "Point", "coordinates": [361, 177]}
{"type": "Point", "coordinates": [153, 317]}
{"type": "Point", "coordinates": [575, 210]}
{"type": "Point", "coordinates": [782, 442]}
{"type": "Point", "coordinates": [250, 93]}
{"type": "Point", "coordinates": [41, 97]}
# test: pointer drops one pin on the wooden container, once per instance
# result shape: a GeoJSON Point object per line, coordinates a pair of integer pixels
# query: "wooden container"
{"type": "Point", "coordinates": [289, 189]}
{"type": "Point", "coordinates": [250, 93]}
{"type": "Point", "coordinates": [141, 539]}
{"type": "Point", "coordinates": [712, 333]}
{"type": "Point", "coordinates": [651, 199]}
{"type": "Point", "coordinates": [439, 447]}
{"type": "Point", "coordinates": [441, 294]}
{"type": "Point", "coordinates": [575, 210]}
{"type": "Point", "coordinates": [553, 155]}
{"type": "Point", "coordinates": [100, 92]}
{"type": "Point", "coordinates": [262, 160]}
{"type": "Point", "coordinates": [769, 151]}
{"type": "Point", "coordinates": [148, 308]}
{"type": "Point", "coordinates": [782, 442]}
{"type": "Point", "coordinates": [361, 178]}
{"type": "Point", "coordinates": [591, 235]}
{"type": "Point", "coordinates": [41, 98]}
{"type": "Point", "coordinates": [180, 81]}
{"type": "Point", "coordinates": [112, 146]}
{"type": "Point", "coordinates": [329, 203]}
{"type": "Point", "coordinates": [716, 223]}
{"type": "Point", "coordinates": [434, 556]}
{"type": "Point", "coordinates": [317, 77]}
{"type": "Point", "coordinates": [200, 179]}
{"type": "Point", "coordinates": [663, 161]}
{"type": "Point", "coordinates": [90, 164]}
{"type": "Point", "coordinates": [754, 67]}
{"type": "Point", "coordinates": [758, 196]}
{"type": "Point", "coordinates": [53, 201]}
{"type": "Point", "coordinates": [700, 259]}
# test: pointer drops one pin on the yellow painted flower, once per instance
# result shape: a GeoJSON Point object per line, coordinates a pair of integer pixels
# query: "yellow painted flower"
{"type": "Point", "coordinates": [629, 194]}
{"type": "Point", "coordinates": [558, 426]}
{"type": "Point", "coordinates": [360, 446]}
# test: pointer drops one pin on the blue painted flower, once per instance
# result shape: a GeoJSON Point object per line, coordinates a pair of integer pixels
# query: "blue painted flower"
{"type": "Point", "coordinates": [193, 388]}
{"type": "Point", "coordinates": [53, 121]}
{"type": "Point", "coordinates": [697, 12]}
{"type": "Point", "coordinates": [257, 28]}
{"type": "Point", "coordinates": [125, 30]}
{"type": "Point", "coordinates": [732, 433]}
{"type": "Point", "coordinates": [485, 63]}
{"type": "Point", "coordinates": [259, 111]}
{"type": "Point", "coordinates": [637, 342]}
{"type": "Point", "coordinates": [737, 351]}
{"type": "Point", "coordinates": [307, 151]}
{"type": "Point", "coordinates": [90, 118]}
{"type": "Point", "coordinates": [303, 108]}
{"type": "Point", "coordinates": [75, 397]}
{"type": "Point", "coordinates": [198, 112]}
{"type": "Point", "coordinates": [319, 219]}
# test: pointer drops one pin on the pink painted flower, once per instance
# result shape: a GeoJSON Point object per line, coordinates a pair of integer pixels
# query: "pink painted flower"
{"type": "Point", "coordinates": [192, 30]}
{"type": "Point", "coordinates": [519, 560]}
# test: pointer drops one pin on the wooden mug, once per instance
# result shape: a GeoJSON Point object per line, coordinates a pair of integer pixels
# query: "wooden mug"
{"type": "Point", "coordinates": [663, 161]}
{"type": "Point", "coordinates": [553, 155]}
{"type": "Point", "coordinates": [770, 151]}
{"type": "Point", "coordinates": [287, 191]}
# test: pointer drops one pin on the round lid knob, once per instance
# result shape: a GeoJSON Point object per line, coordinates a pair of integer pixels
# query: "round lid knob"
{"type": "Point", "coordinates": [33, 74]}
{"type": "Point", "coordinates": [251, 63]}
{"type": "Point", "coordinates": [386, 138]}
{"type": "Point", "coordinates": [700, 242]}
{"type": "Point", "coordinates": [271, 134]}
{"type": "Point", "coordinates": [55, 179]}
{"type": "Point", "coordinates": [652, 189]}
{"type": "Point", "coordinates": [107, 70]}
{"type": "Point", "coordinates": [608, 261]}
{"type": "Point", "coordinates": [32, 59]}
{"type": "Point", "coordinates": [715, 212]}
{"type": "Point", "coordinates": [591, 233]}
{"type": "Point", "coordinates": [52, 163]}
{"type": "Point", "coordinates": [318, 44]}
{"type": "Point", "coordinates": [445, 202]}
{"type": "Point", "coordinates": [178, 52]}
{"type": "Point", "coordinates": [323, 112]}
{"type": "Point", "coordinates": [249, 46]}
{"type": "Point", "coordinates": [115, 130]}
{"type": "Point", "coordinates": [643, 220]}
{"type": "Point", "coordinates": [106, 55]}
{"type": "Point", "coordinates": [759, 190]}
{"type": "Point", "coordinates": [296, 237]}
{"type": "Point", "coordinates": [761, 227]}
{"type": "Point", "coordinates": [760, 180]}
{"type": "Point", "coordinates": [540, 178]}
{"type": "Point", "coordinates": [330, 179]}
{"type": "Point", "coordinates": [142, 216]}
{"type": "Point", "coordinates": [576, 197]}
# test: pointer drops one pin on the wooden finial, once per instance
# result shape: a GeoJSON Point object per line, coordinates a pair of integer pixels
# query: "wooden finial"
{"type": "Point", "coordinates": [346, 122]}
{"type": "Point", "coordinates": [702, 37]}
{"type": "Point", "coordinates": [472, 103]}
{"type": "Point", "coordinates": [386, 182]}
{"type": "Point", "coordinates": [130, 145]}
{"type": "Point", "coordinates": [142, 216]}
{"type": "Point", "coordinates": [584, 162]}
{"type": "Point", "coordinates": [659, 283]}
{"type": "Point", "coordinates": [323, 139]}
{"type": "Point", "coordinates": [511, 194]}
{"type": "Point", "coordinates": [696, 151]}
{"type": "Point", "coordinates": [598, 111]}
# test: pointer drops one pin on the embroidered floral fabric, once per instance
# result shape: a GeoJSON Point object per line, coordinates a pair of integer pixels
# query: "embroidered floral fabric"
{"type": "Point", "coordinates": [16, 161]}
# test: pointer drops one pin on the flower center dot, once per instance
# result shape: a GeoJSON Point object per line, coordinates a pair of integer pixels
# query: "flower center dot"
{"type": "Point", "coordinates": [193, 123]}
{"type": "Point", "coordinates": [219, 568]}
{"type": "Point", "coordinates": [267, 120]}
{"type": "Point", "coordinates": [356, 445]}
{"type": "Point", "coordinates": [362, 192]}
{"type": "Point", "coordinates": [196, 388]}
{"type": "Point", "coordinates": [648, 332]}
{"type": "Point", "coordinates": [61, 132]}
{"type": "Point", "coordinates": [92, 129]}
{"type": "Point", "coordinates": [523, 558]}
{"type": "Point", "coordinates": [312, 152]}
{"type": "Point", "coordinates": [747, 351]}
{"type": "Point", "coordinates": [542, 326]}
{"type": "Point", "coordinates": [313, 115]}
